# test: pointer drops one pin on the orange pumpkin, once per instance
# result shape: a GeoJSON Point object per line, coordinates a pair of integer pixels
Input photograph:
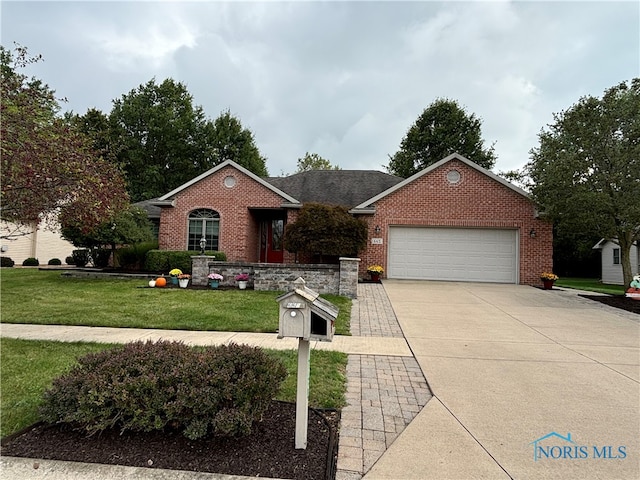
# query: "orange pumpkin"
{"type": "Point", "coordinates": [161, 282]}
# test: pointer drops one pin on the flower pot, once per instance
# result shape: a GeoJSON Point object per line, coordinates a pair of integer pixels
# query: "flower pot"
{"type": "Point", "coordinates": [214, 283]}
{"type": "Point", "coordinates": [184, 282]}
{"type": "Point", "coordinates": [242, 285]}
{"type": "Point", "coordinates": [174, 280]}
{"type": "Point", "coordinates": [375, 277]}
{"type": "Point", "coordinates": [548, 284]}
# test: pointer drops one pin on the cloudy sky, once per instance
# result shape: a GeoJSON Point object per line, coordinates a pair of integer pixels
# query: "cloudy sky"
{"type": "Point", "coordinates": [342, 79]}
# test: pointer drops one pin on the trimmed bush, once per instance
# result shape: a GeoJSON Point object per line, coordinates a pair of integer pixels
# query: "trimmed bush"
{"type": "Point", "coordinates": [6, 262]}
{"type": "Point", "coordinates": [30, 262]}
{"type": "Point", "coordinates": [80, 257]}
{"type": "Point", "coordinates": [100, 257]}
{"type": "Point", "coordinates": [219, 390]}
{"type": "Point", "coordinates": [69, 260]}
{"type": "Point", "coordinates": [165, 260]}
{"type": "Point", "coordinates": [54, 261]}
{"type": "Point", "coordinates": [133, 256]}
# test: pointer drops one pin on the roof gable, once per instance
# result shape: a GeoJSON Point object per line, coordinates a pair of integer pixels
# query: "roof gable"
{"type": "Point", "coordinates": [455, 156]}
{"type": "Point", "coordinates": [213, 170]}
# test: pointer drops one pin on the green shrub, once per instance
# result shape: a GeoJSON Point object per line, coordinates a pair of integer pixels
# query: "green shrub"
{"type": "Point", "coordinates": [30, 262]}
{"type": "Point", "coordinates": [133, 256]}
{"type": "Point", "coordinates": [80, 257]}
{"type": "Point", "coordinates": [54, 261]}
{"type": "Point", "coordinates": [165, 260]}
{"type": "Point", "coordinates": [6, 262]}
{"type": "Point", "coordinates": [219, 256]}
{"type": "Point", "coordinates": [100, 257]}
{"type": "Point", "coordinates": [69, 260]}
{"type": "Point", "coordinates": [149, 386]}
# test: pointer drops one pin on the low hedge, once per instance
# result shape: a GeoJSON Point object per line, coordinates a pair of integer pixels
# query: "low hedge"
{"type": "Point", "coordinates": [6, 262]}
{"type": "Point", "coordinates": [165, 260]}
{"type": "Point", "coordinates": [220, 390]}
{"type": "Point", "coordinates": [30, 262]}
{"type": "Point", "coordinates": [54, 261]}
{"type": "Point", "coordinates": [100, 257]}
{"type": "Point", "coordinates": [133, 257]}
{"type": "Point", "coordinates": [81, 257]}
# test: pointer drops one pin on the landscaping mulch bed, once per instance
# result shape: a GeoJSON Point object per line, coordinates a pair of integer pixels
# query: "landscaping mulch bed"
{"type": "Point", "coordinates": [617, 301]}
{"type": "Point", "coordinates": [268, 452]}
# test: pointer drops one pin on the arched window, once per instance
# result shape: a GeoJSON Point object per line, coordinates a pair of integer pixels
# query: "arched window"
{"type": "Point", "coordinates": [203, 223]}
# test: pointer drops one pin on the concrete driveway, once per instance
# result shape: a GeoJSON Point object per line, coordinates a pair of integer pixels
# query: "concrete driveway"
{"type": "Point", "coordinates": [527, 384]}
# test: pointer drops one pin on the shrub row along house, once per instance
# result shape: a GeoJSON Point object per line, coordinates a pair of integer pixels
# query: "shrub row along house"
{"type": "Point", "coordinates": [453, 220]}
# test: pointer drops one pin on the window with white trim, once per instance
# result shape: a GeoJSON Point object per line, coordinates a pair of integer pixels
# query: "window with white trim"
{"type": "Point", "coordinates": [616, 256]}
{"type": "Point", "coordinates": [203, 223]}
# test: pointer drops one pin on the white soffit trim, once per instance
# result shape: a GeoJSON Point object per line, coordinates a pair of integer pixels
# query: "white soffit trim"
{"type": "Point", "coordinates": [224, 164]}
{"type": "Point", "coordinates": [430, 168]}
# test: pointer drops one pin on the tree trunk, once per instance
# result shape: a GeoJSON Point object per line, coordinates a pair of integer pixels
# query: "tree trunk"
{"type": "Point", "coordinates": [625, 240]}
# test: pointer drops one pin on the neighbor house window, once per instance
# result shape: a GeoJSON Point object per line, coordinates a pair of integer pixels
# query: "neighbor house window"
{"type": "Point", "coordinates": [203, 223]}
{"type": "Point", "coordinates": [616, 256]}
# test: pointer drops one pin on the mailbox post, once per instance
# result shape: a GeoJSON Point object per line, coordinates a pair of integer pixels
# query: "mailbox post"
{"type": "Point", "coordinates": [305, 316]}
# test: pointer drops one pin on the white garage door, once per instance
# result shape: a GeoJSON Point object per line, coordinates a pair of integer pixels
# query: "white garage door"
{"type": "Point", "coordinates": [460, 254]}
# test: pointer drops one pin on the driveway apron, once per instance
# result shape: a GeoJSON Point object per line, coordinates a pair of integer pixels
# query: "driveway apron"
{"type": "Point", "coordinates": [527, 384]}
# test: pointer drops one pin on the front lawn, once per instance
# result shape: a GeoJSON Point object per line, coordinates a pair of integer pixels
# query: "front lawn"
{"type": "Point", "coordinates": [28, 367]}
{"type": "Point", "coordinates": [45, 297]}
{"type": "Point", "coordinates": [591, 285]}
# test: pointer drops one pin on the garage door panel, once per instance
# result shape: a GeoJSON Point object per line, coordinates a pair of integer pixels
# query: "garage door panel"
{"type": "Point", "coordinates": [457, 254]}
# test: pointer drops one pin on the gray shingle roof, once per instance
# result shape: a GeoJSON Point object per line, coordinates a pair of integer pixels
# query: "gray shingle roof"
{"type": "Point", "coordinates": [338, 187]}
{"type": "Point", "coordinates": [152, 210]}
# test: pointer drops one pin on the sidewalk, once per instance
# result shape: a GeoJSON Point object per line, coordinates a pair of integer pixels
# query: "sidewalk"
{"type": "Point", "coordinates": [385, 387]}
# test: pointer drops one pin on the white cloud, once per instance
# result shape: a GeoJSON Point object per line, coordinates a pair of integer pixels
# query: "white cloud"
{"type": "Point", "coordinates": [144, 40]}
{"type": "Point", "coordinates": [343, 79]}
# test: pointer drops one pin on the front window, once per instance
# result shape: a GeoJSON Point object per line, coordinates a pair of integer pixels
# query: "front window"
{"type": "Point", "coordinates": [616, 256]}
{"type": "Point", "coordinates": [203, 223]}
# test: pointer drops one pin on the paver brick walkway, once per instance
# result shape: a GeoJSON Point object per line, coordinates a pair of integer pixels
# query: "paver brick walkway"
{"type": "Point", "coordinates": [384, 393]}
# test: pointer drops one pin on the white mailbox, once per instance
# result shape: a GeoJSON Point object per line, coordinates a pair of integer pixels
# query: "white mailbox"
{"type": "Point", "coordinates": [303, 314]}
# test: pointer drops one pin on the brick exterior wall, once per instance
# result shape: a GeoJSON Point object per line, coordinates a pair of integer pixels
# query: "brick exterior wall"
{"type": "Point", "coordinates": [239, 230]}
{"type": "Point", "coordinates": [476, 200]}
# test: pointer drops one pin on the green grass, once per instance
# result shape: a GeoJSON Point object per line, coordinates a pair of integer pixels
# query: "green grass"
{"type": "Point", "coordinates": [591, 285]}
{"type": "Point", "coordinates": [28, 367]}
{"type": "Point", "coordinates": [45, 297]}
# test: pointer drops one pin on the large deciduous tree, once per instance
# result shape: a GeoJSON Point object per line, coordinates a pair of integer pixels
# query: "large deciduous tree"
{"type": "Point", "coordinates": [128, 227]}
{"type": "Point", "coordinates": [442, 129]}
{"type": "Point", "coordinates": [313, 161]}
{"type": "Point", "coordinates": [49, 168]}
{"type": "Point", "coordinates": [234, 142]}
{"type": "Point", "coordinates": [163, 140]}
{"type": "Point", "coordinates": [586, 171]}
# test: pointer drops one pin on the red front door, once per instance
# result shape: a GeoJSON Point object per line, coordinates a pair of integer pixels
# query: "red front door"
{"type": "Point", "coordinates": [271, 249]}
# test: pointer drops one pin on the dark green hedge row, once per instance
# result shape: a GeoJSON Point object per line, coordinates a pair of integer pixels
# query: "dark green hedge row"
{"type": "Point", "coordinates": [165, 260]}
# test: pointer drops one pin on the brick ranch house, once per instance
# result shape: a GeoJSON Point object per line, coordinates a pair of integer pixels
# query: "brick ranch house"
{"type": "Point", "coordinates": [453, 220]}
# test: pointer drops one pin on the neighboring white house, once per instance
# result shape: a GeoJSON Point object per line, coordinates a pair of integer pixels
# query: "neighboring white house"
{"type": "Point", "coordinates": [611, 258]}
{"type": "Point", "coordinates": [41, 243]}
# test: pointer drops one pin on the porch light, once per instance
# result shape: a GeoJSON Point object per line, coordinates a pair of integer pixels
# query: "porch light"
{"type": "Point", "coordinates": [377, 229]}
{"type": "Point", "coordinates": [532, 233]}
{"type": "Point", "coordinates": [203, 244]}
